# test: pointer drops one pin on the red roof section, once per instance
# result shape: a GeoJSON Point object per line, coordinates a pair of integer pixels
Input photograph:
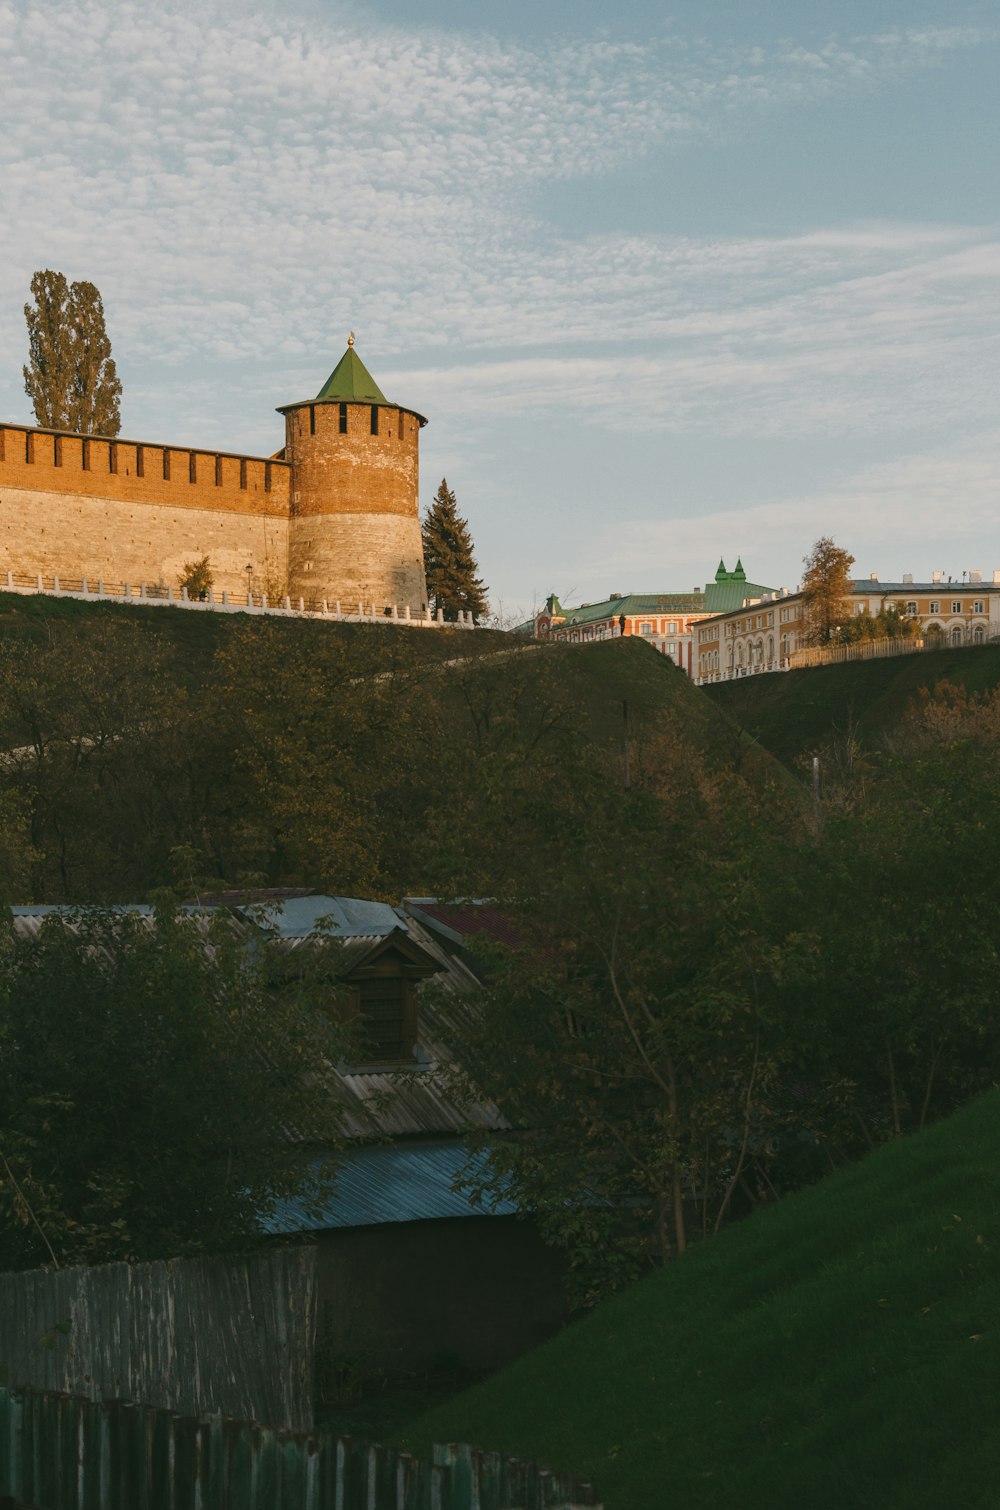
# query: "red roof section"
{"type": "Point", "coordinates": [470, 918]}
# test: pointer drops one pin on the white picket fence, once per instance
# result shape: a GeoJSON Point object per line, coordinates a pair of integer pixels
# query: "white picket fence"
{"type": "Point", "coordinates": [227, 602]}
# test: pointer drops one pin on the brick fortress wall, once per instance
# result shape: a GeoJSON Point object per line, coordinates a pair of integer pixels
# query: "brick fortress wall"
{"type": "Point", "coordinates": [355, 527]}
{"type": "Point", "coordinates": [123, 510]}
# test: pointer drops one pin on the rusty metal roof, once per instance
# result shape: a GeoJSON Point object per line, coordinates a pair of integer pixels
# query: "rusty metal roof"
{"type": "Point", "coordinates": [396, 1182]}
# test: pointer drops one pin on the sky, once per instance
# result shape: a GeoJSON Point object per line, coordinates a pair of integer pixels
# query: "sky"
{"type": "Point", "coordinates": [670, 283]}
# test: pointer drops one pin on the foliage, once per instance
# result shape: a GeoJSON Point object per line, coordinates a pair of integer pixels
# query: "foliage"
{"type": "Point", "coordinates": [197, 578]}
{"type": "Point", "coordinates": [452, 581]}
{"type": "Point", "coordinates": [887, 624]}
{"type": "Point", "coordinates": [71, 377]}
{"type": "Point", "coordinates": [826, 591]}
{"type": "Point", "coordinates": [835, 1349]}
{"type": "Point", "coordinates": [151, 1073]}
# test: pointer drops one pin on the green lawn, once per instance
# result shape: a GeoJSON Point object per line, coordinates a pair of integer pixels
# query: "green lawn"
{"type": "Point", "coordinates": [841, 1349]}
{"type": "Point", "coordinates": [792, 713]}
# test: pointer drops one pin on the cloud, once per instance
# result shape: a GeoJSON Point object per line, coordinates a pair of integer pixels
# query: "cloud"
{"type": "Point", "coordinates": [233, 180]}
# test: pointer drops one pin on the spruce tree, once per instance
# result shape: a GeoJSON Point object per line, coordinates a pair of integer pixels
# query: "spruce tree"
{"type": "Point", "coordinates": [452, 583]}
{"type": "Point", "coordinates": [71, 377]}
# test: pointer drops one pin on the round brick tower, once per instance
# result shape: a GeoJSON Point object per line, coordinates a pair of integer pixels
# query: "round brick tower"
{"type": "Point", "coordinates": [354, 533]}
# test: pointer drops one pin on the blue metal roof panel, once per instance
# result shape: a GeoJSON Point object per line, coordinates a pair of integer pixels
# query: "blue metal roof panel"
{"type": "Point", "coordinates": [341, 917]}
{"type": "Point", "coordinates": [391, 1183]}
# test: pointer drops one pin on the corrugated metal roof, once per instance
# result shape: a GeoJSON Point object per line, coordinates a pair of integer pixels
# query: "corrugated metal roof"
{"type": "Point", "coordinates": [461, 920]}
{"type": "Point", "coordinates": [421, 1098]}
{"type": "Point", "coordinates": [338, 917]}
{"type": "Point", "coordinates": [397, 1182]}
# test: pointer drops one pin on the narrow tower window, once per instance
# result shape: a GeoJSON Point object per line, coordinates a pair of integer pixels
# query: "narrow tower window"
{"type": "Point", "coordinates": [374, 419]}
{"type": "Point", "coordinates": [112, 457]}
{"type": "Point", "coordinates": [57, 450]}
{"type": "Point", "coordinates": [312, 419]}
{"type": "Point", "coordinates": [85, 456]}
{"type": "Point", "coordinates": [166, 464]}
{"type": "Point", "coordinates": [267, 477]}
{"type": "Point", "coordinates": [140, 462]}
{"type": "Point", "coordinates": [243, 472]}
{"type": "Point", "coordinates": [400, 424]}
{"type": "Point", "coordinates": [218, 471]}
{"type": "Point", "coordinates": [2, 434]}
{"type": "Point", "coordinates": [192, 467]}
{"type": "Point", "coordinates": [343, 419]}
{"type": "Point", "coordinates": [29, 447]}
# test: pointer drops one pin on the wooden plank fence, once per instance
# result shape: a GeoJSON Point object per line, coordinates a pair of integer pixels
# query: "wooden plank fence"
{"type": "Point", "coordinates": [60, 1453]}
{"type": "Point", "coordinates": [199, 1336]}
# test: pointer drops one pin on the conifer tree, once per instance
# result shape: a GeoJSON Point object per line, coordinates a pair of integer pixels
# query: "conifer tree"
{"type": "Point", "coordinates": [452, 583]}
{"type": "Point", "coordinates": [71, 377]}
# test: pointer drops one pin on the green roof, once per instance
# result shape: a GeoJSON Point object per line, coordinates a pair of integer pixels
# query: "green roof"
{"type": "Point", "coordinates": [723, 597]}
{"type": "Point", "coordinates": [350, 380]}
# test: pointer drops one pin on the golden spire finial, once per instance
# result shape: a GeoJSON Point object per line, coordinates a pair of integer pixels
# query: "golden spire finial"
{"type": "Point", "coordinates": [350, 339]}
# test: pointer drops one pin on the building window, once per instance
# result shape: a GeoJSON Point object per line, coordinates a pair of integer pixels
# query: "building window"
{"type": "Point", "coordinates": [956, 606]}
{"type": "Point", "coordinates": [343, 419]}
{"type": "Point", "coordinates": [166, 464]}
{"type": "Point", "coordinates": [977, 606]}
{"type": "Point", "coordinates": [374, 419]}
{"type": "Point", "coordinates": [911, 609]}
{"type": "Point", "coordinates": [388, 1020]}
{"type": "Point", "coordinates": [646, 628]}
{"type": "Point", "coordinates": [140, 462]}
{"type": "Point", "coordinates": [243, 472]}
{"type": "Point", "coordinates": [935, 605]}
{"type": "Point", "coordinates": [956, 635]}
{"type": "Point", "coordinates": [979, 634]}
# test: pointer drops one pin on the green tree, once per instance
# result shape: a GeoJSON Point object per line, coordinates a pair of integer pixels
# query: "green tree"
{"type": "Point", "coordinates": [452, 583]}
{"type": "Point", "coordinates": [151, 1076]}
{"type": "Point", "coordinates": [197, 578]}
{"type": "Point", "coordinates": [71, 377]}
{"type": "Point", "coordinates": [887, 624]}
{"type": "Point", "coordinates": [826, 590]}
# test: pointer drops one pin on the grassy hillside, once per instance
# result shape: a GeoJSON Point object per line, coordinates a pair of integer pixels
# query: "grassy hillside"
{"type": "Point", "coordinates": [197, 635]}
{"type": "Point", "coordinates": [166, 747]}
{"type": "Point", "coordinates": [838, 1350]}
{"type": "Point", "coordinates": [794, 712]}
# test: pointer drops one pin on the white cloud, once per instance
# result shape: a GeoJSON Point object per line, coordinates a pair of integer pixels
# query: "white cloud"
{"type": "Point", "coordinates": [233, 180]}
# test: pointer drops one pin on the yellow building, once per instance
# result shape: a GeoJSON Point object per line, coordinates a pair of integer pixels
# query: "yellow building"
{"type": "Point", "coordinates": [769, 633]}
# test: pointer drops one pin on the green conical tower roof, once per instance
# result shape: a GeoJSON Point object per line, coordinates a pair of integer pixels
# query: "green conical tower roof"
{"type": "Point", "coordinates": [722, 575]}
{"type": "Point", "coordinates": [350, 380]}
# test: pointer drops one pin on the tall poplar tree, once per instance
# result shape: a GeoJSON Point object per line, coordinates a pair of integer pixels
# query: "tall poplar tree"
{"type": "Point", "coordinates": [70, 377]}
{"type": "Point", "coordinates": [452, 583]}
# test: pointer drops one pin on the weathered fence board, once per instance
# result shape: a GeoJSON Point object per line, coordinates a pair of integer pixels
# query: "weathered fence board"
{"type": "Point", "coordinates": [70, 1454]}
{"type": "Point", "coordinates": [198, 1336]}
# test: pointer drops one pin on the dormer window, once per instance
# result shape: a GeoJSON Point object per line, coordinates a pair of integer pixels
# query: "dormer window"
{"type": "Point", "coordinates": [388, 1013]}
